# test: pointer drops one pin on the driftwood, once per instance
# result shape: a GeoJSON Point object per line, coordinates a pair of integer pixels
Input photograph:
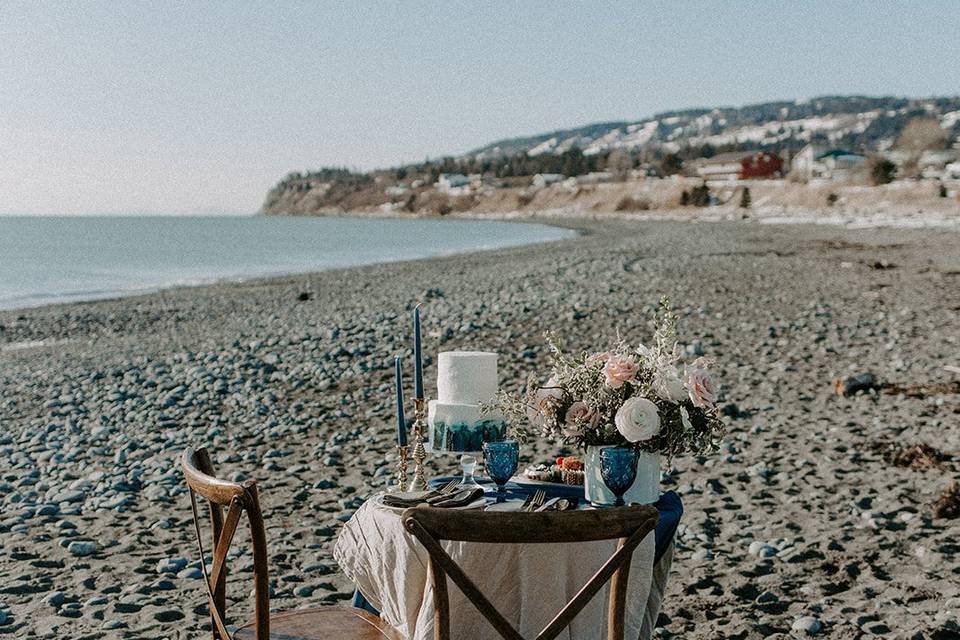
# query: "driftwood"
{"type": "Point", "coordinates": [868, 382]}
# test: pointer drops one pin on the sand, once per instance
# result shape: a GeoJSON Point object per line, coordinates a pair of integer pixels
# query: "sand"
{"type": "Point", "coordinates": [801, 524]}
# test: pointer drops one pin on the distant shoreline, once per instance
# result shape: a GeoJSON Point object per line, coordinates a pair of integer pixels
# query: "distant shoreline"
{"type": "Point", "coordinates": [92, 295]}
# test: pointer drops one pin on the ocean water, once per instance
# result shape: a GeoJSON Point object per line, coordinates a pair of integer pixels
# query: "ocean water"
{"type": "Point", "coordinates": [46, 260]}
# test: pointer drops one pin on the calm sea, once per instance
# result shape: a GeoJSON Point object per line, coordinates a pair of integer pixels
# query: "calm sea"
{"type": "Point", "coordinates": [45, 260]}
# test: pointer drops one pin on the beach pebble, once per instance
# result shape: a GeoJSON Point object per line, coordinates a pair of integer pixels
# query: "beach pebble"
{"type": "Point", "coordinates": [82, 548]}
{"type": "Point", "coordinates": [807, 624]}
{"type": "Point", "coordinates": [190, 573]}
{"type": "Point", "coordinates": [761, 549]}
{"type": "Point", "coordinates": [171, 565]}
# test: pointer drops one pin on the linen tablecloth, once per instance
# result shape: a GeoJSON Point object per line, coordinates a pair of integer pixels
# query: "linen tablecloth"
{"type": "Point", "coordinates": [527, 583]}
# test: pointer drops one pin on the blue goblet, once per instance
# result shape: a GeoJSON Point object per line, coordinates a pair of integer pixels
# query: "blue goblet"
{"type": "Point", "coordinates": [501, 459]}
{"type": "Point", "coordinates": [618, 468]}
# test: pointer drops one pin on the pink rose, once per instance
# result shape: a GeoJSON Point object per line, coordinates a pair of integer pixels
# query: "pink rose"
{"type": "Point", "coordinates": [597, 358]}
{"type": "Point", "coordinates": [620, 369]}
{"type": "Point", "coordinates": [580, 417]}
{"type": "Point", "coordinates": [701, 387]}
{"type": "Point", "coordinates": [545, 404]}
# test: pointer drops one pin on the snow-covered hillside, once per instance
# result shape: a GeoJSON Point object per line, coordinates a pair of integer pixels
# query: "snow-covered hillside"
{"type": "Point", "coordinates": [856, 122]}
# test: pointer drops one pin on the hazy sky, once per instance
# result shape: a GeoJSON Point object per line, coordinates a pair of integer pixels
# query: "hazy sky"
{"type": "Point", "coordinates": [180, 107]}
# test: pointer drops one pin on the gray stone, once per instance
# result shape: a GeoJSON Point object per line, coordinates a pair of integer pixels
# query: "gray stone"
{"type": "Point", "coordinates": [82, 547]}
{"type": "Point", "coordinates": [807, 624]}
{"type": "Point", "coordinates": [171, 565]}
{"type": "Point", "coordinates": [190, 573]}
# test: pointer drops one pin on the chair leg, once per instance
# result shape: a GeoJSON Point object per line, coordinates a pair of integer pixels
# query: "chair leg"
{"type": "Point", "coordinates": [441, 602]}
{"type": "Point", "coordinates": [617, 603]}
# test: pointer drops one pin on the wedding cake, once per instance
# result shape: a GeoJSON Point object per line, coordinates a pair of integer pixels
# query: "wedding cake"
{"type": "Point", "coordinates": [464, 380]}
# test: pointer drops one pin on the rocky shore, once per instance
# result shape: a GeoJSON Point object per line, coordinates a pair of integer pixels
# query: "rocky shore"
{"type": "Point", "coordinates": [804, 524]}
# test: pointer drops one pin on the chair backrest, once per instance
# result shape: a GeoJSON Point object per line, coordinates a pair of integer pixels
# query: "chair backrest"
{"type": "Point", "coordinates": [238, 498]}
{"type": "Point", "coordinates": [629, 525]}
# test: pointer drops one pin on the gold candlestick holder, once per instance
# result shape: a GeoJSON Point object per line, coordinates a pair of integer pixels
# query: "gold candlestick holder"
{"type": "Point", "coordinates": [400, 470]}
{"type": "Point", "coordinates": [419, 482]}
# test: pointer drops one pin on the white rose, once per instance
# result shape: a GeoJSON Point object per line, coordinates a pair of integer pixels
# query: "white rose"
{"type": "Point", "coordinates": [668, 385]}
{"type": "Point", "coordinates": [638, 420]}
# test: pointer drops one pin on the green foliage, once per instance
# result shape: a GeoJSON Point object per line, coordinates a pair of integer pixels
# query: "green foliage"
{"type": "Point", "coordinates": [685, 427]}
{"type": "Point", "coordinates": [700, 196]}
{"type": "Point", "coordinates": [882, 171]}
{"type": "Point", "coordinates": [671, 164]}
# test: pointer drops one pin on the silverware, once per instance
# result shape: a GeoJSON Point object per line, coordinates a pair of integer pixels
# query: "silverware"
{"type": "Point", "coordinates": [539, 497]}
{"type": "Point", "coordinates": [558, 504]}
{"type": "Point", "coordinates": [442, 492]}
{"type": "Point", "coordinates": [526, 502]}
{"type": "Point", "coordinates": [459, 499]}
{"type": "Point", "coordinates": [549, 505]}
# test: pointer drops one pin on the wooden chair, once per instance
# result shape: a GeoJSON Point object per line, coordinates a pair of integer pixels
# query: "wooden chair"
{"type": "Point", "coordinates": [628, 524]}
{"type": "Point", "coordinates": [325, 623]}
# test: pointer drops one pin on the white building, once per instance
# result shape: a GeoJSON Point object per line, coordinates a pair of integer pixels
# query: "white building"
{"type": "Point", "coordinates": [448, 181]}
{"type": "Point", "coordinates": [814, 161]}
{"type": "Point", "coordinates": [546, 179]}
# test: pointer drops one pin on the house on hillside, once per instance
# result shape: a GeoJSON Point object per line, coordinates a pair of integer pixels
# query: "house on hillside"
{"type": "Point", "coordinates": [933, 163]}
{"type": "Point", "coordinates": [448, 181]}
{"type": "Point", "coordinates": [816, 162]}
{"type": "Point", "coordinates": [546, 179]}
{"type": "Point", "coordinates": [740, 165]}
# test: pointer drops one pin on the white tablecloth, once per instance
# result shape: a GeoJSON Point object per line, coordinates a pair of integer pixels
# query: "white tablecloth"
{"type": "Point", "coordinates": [527, 583]}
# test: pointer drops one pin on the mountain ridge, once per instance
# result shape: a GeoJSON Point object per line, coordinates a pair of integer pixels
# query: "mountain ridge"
{"type": "Point", "coordinates": [754, 113]}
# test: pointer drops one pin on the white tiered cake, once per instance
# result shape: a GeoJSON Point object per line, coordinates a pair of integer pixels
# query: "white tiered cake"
{"type": "Point", "coordinates": [464, 380]}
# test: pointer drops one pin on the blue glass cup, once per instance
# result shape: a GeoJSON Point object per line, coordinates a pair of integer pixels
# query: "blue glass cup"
{"type": "Point", "coordinates": [618, 468]}
{"type": "Point", "coordinates": [501, 459]}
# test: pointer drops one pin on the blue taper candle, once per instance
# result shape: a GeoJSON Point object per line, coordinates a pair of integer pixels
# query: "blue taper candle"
{"type": "Point", "coordinates": [417, 355]}
{"type": "Point", "coordinates": [401, 421]}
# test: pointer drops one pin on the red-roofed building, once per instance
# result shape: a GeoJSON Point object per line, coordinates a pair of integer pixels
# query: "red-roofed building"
{"type": "Point", "coordinates": [740, 165]}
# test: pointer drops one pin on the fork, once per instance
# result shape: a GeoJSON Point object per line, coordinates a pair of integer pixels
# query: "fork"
{"type": "Point", "coordinates": [539, 497]}
{"type": "Point", "coordinates": [445, 490]}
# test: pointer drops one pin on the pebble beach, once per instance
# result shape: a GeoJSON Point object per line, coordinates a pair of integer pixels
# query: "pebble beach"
{"type": "Point", "coordinates": [811, 521]}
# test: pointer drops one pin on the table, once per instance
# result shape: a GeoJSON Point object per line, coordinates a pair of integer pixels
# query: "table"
{"type": "Point", "coordinates": [527, 583]}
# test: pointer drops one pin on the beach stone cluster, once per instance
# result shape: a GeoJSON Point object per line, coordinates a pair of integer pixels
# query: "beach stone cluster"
{"type": "Point", "coordinates": [797, 527]}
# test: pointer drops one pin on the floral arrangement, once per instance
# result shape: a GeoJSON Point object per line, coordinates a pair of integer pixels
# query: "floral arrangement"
{"type": "Point", "coordinates": [640, 396]}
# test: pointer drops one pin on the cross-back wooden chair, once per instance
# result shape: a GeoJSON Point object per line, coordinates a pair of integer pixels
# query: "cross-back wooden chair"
{"type": "Point", "coordinates": [630, 525]}
{"type": "Point", "coordinates": [324, 623]}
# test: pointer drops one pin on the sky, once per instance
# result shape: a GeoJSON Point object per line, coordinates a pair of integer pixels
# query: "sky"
{"type": "Point", "coordinates": [201, 106]}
